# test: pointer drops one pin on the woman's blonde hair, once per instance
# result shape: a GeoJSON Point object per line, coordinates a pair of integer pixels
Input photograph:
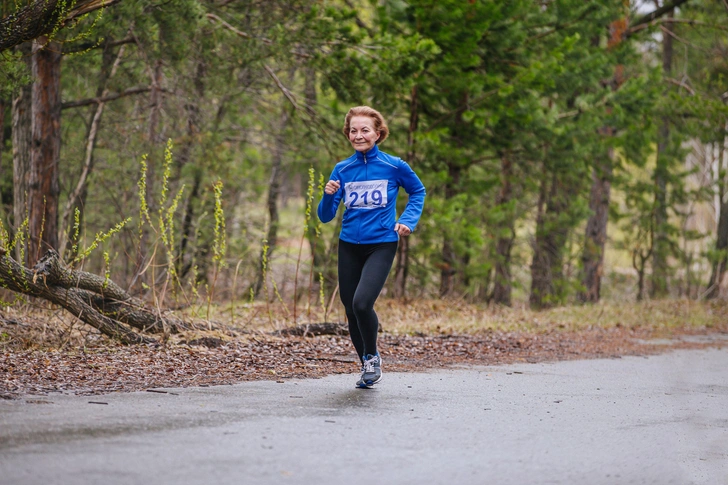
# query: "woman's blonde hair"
{"type": "Point", "coordinates": [380, 126]}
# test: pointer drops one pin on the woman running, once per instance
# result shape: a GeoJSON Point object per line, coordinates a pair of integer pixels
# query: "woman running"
{"type": "Point", "coordinates": [368, 183]}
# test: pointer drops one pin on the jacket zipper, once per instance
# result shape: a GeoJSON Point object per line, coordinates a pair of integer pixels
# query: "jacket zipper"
{"type": "Point", "coordinates": [366, 177]}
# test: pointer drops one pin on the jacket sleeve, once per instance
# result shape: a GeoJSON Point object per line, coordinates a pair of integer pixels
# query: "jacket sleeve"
{"type": "Point", "coordinates": [330, 203]}
{"type": "Point", "coordinates": [412, 184]}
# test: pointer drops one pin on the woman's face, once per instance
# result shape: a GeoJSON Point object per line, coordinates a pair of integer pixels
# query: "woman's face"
{"type": "Point", "coordinates": [362, 134]}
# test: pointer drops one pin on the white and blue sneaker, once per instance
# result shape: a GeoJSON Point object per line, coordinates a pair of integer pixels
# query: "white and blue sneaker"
{"type": "Point", "coordinates": [371, 371]}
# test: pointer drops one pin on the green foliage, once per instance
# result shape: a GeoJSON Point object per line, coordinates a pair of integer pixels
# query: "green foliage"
{"type": "Point", "coordinates": [13, 74]}
{"type": "Point", "coordinates": [468, 89]}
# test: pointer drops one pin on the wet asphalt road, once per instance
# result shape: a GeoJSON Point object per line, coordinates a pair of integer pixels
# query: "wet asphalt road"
{"type": "Point", "coordinates": [636, 420]}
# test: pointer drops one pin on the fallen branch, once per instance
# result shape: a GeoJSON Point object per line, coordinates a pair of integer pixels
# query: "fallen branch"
{"type": "Point", "coordinates": [104, 296]}
{"type": "Point", "coordinates": [17, 278]}
{"type": "Point", "coordinates": [43, 17]}
{"type": "Point", "coordinates": [314, 329]}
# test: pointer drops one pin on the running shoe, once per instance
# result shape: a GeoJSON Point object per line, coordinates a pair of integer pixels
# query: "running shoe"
{"type": "Point", "coordinates": [371, 371]}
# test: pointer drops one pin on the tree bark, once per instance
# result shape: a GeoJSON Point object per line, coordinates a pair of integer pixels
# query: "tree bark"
{"type": "Point", "coordinates": [42, 17]}
{"type": "Point", "coordinates": [21, 136]}
{"type": "Point", "coordinates": [661, 248]}
{"type": "Point", "coordinates": [502, 287]}
{"type": "Point", "coordinates": [596, 230]}
{"type": "Point", "coordinates": [45, 150]}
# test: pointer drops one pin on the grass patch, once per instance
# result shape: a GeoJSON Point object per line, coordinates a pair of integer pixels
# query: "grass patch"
{"type": "Point", "coordinates": [459, 317]}
{"type": "Point", "coordinates": [48, 329]}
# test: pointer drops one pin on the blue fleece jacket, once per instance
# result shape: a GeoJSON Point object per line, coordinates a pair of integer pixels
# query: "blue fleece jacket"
{"type": "Point", "coordinates": [369, 186]}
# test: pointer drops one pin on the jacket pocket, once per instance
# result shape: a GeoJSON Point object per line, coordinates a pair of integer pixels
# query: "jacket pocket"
{"type": "Point", "coordinates": [386, 219]}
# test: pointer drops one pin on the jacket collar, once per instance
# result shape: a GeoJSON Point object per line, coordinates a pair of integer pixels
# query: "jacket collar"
{"type": "Point", "coordinates": [369, 156]}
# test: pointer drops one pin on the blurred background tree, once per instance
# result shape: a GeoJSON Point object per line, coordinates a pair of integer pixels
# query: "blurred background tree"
{"type": "Point", "coordinates": [572, 151]}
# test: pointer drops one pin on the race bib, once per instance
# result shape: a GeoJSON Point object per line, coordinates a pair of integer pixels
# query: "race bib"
{"type": "Point", "coordinates": [366, 195]}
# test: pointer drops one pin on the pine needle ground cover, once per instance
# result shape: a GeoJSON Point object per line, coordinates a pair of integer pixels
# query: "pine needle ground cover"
{"type": "Point", "coordinates": [44, 352]}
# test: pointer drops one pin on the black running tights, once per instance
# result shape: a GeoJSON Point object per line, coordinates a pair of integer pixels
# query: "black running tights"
{"type": "Point", "coordinates": [363, 270]}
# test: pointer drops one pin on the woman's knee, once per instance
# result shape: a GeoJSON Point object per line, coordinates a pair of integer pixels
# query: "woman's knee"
{"type": "Point", "coordinates": [362, 306]}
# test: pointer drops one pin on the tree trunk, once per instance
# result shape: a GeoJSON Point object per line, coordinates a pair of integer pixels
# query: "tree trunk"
{"type": "Point", "coordinates": [449, 259]}
{"type": "Point", "coordinates": [720, 265]}
{"type": "Point", "coordinates": [21, 136]}
{"type": "Point", "coordinates": [447, 269]}
{"type": "Point", "coordinates": [539, 267]}
{"type": "Point", "coordinates": [721, 246]}
{"type": "Point", "coordinates": [194, 119]}
{"type": "Point", "coordinates": [662, 248]}
{"type": "Point", "coordinates": [5, 217]}
{"type": "Point", "coordinates": [155, 107]}
{"type": "Point", "coordinates": [192, 138]}
{"type": "Point", "coordinates": [3, 106]}
{"type": "Point", "coordinates": [551, 236]}
{"type": "Point", "coordinates": [402, 262]}
{"type": "Point", "coordinates": [319, 255]}
{"type": "Point", "coordinates": [77, 198]}
{"type": "Point", "coordinates": [43, 187]}
{"type": "Point", "coordinates": [640, 267]}
{"type": "Point", "coordinates": [274, 188]}
{"type": "Point", "coordinates": [184, 263]}
{"type": "Point", "coordinates": [506, 234]}
{"type": "Point", "coordinates": [596, 230]}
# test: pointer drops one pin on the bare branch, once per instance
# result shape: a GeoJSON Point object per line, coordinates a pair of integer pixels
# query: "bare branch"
{"type": "Point", "coordinates": [661, 21]}
{"type": "Point", "coordinates": [283, 89]}
{"type": "Point", "coordinates": [359, 21]}
{"type": "Point", "coordinates": [105, 99]}
{"type": "Point", "coordinates": [646, 19]}
{"type": "Point", "coordinates": [677, 82]}
{"type": "Point", "coordinates": [99, 44]}
{"type": "Point", "coordinates": [591, 8]}
{"type": "Point", "coordinates": [237, 32]}
{"type": "Point", "coordinates": [246, 35]}
{"type": "Point", "coordinates": [680, 39]}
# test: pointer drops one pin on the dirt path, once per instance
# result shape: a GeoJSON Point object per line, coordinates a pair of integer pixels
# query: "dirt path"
{"type": "Point", "coordinates": [263, 357]}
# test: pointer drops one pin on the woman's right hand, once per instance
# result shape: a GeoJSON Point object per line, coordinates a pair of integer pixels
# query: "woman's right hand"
{"type": "Point", "coordinates": [332, 186]}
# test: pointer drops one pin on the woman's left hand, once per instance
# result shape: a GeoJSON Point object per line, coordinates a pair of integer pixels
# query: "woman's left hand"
{"type": "Point", "coordinates": [402, 230]}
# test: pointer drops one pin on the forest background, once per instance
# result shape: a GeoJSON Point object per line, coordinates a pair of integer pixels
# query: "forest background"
{"type": "Point", "coordinates": [574, 152]}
